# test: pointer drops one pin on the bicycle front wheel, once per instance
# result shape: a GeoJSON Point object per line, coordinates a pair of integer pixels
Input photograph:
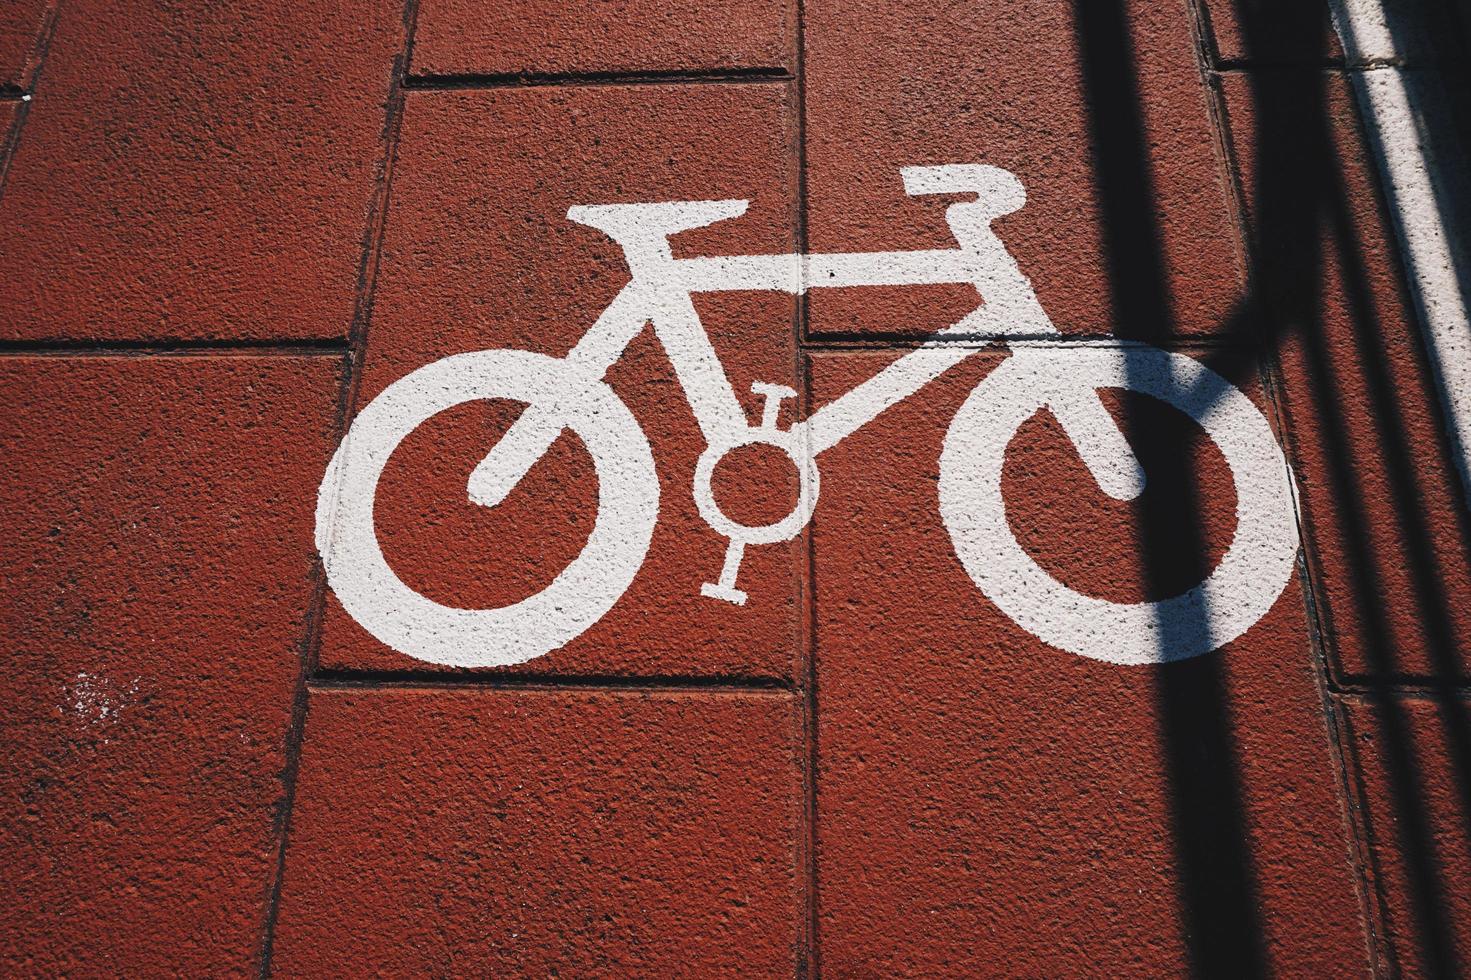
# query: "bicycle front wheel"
{"type": "Point", "coordinates": [628, 507]}
{"type": "Point", "coordinates": [1237, 593]}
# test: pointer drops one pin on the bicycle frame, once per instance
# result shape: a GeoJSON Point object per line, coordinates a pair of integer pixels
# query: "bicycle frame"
{"type": "Point", "coordinates": [660, 293]}
{"type": "Point", "coordinates": [661, 290]}
{"type": "Point", "coordinates": [568, 392]}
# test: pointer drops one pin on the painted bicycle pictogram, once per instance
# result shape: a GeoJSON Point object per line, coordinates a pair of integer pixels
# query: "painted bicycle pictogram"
{"type": "Point", "coordinates": [568, 392]}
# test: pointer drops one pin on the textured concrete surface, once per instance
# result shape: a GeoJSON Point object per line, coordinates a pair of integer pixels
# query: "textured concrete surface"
{"type": "Point", "coordinates": [9, 113]}
{"type": "Point", "coordinates": [191, 174]}
{"type": "Point", "coordinates": [1022, 804]}
{"type": "Point", "coordinates": [1262, 33]}
{"type": "Point", "coordinates": [1306, 33]}
{"type": "Point", "coordinates": [545, 833]}
{"type": "Point", "coordinates": [157, 589]}
{"type": "Point", "coordinates": [528, 37]}
{"type": "Point", "coordinates": [1411, 759]}
{"type": "Point", "coordinates": [1378, 492]}
{"type": "Point", "coordinates": [22, 24]}
{"type": "Point", "coordinates": [1104, 120]}
{"type": "Point", "coordinates": [479, 253]}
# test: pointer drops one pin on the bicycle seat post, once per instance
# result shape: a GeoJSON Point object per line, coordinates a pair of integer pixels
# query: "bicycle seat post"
{"type": "Point", "coordinates": [773, 396]}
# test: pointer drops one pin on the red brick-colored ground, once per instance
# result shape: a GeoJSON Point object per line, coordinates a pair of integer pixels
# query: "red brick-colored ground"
{"type": "Point", "coordinates": [225, 230]}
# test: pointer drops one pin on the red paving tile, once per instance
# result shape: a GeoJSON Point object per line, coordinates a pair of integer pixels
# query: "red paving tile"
{"type": "Point", "coordinates": [157, 579]}
{"type": "Point", "coordinates": [194, 172]}
{"type": "Point", "coordinates": [985, 798]}
{"type": "Point", "coordinates": [1303, 33]}
{"type": "Point", "coordinates": [544, 833]}
{"type": "Point", "coordinates": [479, 254]}
{"type": "Point", "coordinates": [1011, 84]}
{"type": "Point", "coordinates": [1411, 757]}
{"type": "Point", "coordinates": [21, 25]}
{"type": "Point", "coordinates": [1271, 32]}
{"type": "Point", "coordinates": [9, 112]}
{"type": "Point", "coordinates": [1382, 503]}
{"type": "Point", "coordinates": [461, 37]}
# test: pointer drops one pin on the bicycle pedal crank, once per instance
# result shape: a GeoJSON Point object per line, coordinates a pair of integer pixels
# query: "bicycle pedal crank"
{"type": "Point", "coordinates": [792, 442]}
{"type": "Point", "coordinates": [726, 587]}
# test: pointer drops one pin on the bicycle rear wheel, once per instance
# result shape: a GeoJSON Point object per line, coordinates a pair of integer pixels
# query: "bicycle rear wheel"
{"type": "Point", "coordinates": [628, 507]}
{"type": "Point", "coordinates": [1237, 593]}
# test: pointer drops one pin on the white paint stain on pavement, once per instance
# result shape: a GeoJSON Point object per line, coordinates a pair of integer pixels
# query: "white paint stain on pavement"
{"type": "Point", "coordinates": [96, 702]}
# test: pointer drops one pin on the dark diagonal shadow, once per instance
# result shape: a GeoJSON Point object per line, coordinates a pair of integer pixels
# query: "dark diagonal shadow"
{"type": "Point", "coordinates": [1301, 222]}
{"type": "Point", "coordinates": [1217, 879]}
{"type": "Point", "coordinates": [1296, 194]}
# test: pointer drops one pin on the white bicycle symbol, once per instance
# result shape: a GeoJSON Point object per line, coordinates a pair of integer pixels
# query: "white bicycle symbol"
{"type": "Point", "coordinates": [569, 393]}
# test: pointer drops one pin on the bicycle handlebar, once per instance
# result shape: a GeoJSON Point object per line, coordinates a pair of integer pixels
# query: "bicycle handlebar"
{"type": "Point", "coordinates": [997, 191]}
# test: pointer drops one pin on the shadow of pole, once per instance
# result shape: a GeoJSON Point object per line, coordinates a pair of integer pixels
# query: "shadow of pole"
{"type": "Point", "coordinates": [1293, 198]}
{"type": "Point", "coordinates": [1299, 200]}
{"type": "Point", "coordinates": [1216, 873]}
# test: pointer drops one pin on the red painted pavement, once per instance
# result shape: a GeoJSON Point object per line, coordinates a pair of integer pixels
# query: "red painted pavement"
{"type": "Point", "coordinates": [22, 27]}
{"type": "Point", "coordinates": [1013, 799]}
{"type": "Point", "coordinates": [1408, 755]}
{"type": "Point", "coordinates": [196, 174]}
{"type": "Point", "coordinates": [1011, 84]}
{"type": "Point", "coordinates": [478, 253]}
{"type": "Point", "coordinates": [226, 230]}
{"type": "Point", "coordinates": [1395, 595]}
{"type": "Point", "coordinates": [157, 590]}
{"type": "Point", "coordinates": [468, 832]}
{"type": "Point", "coordinates": [533, 37]}
{"type": "Point", "coordinates": [1262, 33]}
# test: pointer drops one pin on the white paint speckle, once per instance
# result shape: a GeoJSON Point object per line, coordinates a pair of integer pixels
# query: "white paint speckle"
{"type": "Point", "coordinates": [95, 702]}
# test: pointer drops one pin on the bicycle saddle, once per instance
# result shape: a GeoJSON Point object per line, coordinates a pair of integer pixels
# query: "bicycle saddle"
{"type": "Point", "coordinates": [655, 220]}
